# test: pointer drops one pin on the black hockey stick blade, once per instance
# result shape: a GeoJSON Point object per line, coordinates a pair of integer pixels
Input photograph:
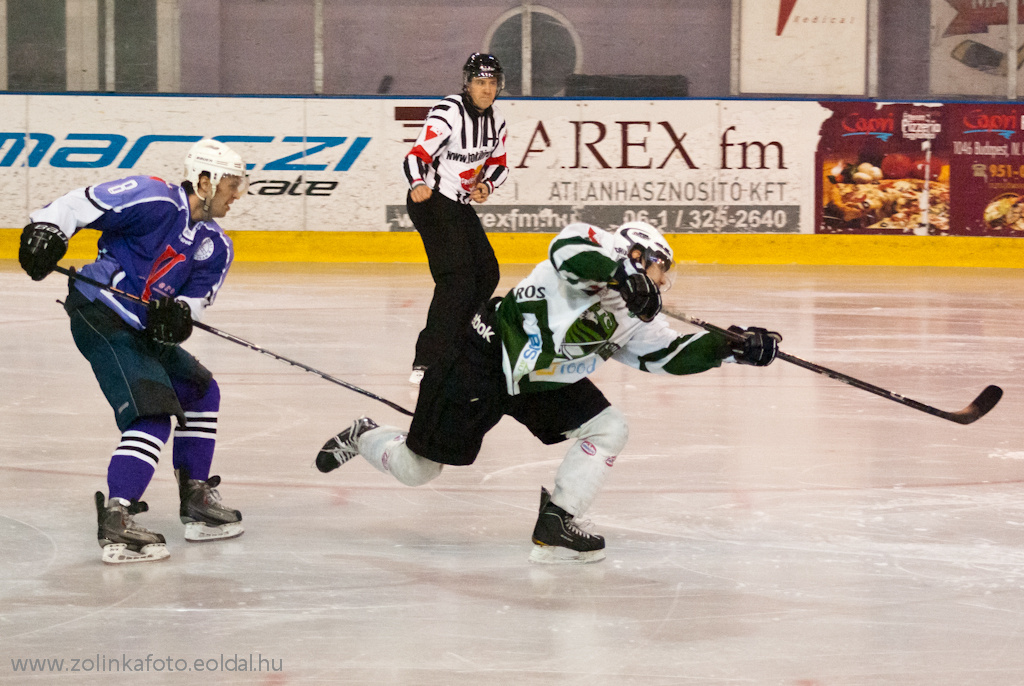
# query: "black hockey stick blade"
{"type": "Point", "coordinates": [981, 405]}
{"type": "Point", "coordinates": [72, 274]}
{"type": "Point", "coordinates": [972, 413]}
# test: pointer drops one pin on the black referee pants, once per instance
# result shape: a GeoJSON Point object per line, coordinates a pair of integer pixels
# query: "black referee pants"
{"type": "Point", "coordinates": [463, 267]}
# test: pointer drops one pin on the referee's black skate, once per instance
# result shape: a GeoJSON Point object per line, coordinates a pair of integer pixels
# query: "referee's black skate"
{"type": "Point", "coordinates": [202, 513]}
{"type": "Point", "coordinates": [559, 539]}
{"type": "Point", "coordinates": [343, 447]}
{"type": "Point", "coordinates": [121, 538]}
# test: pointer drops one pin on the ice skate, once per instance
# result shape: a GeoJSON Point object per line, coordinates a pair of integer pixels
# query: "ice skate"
{"type": "Point", "coordinates": [343, 447]}
{"type": "Point", "coordinates": [559, 539]}
{"type": "Point", "coordinates": [204, 517]}
{"type": "Point", "coordinates": [123, 540]}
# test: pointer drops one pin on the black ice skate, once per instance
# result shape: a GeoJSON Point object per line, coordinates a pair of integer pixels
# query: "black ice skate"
{"type": "Point", "coordinates": [121, 538]}
{"type": "Point", "coordinates": [204, 517]}
{"type": "Point", "coordinates": [343, 447]}
{"type": "Point", "coordinates": [559, 539]}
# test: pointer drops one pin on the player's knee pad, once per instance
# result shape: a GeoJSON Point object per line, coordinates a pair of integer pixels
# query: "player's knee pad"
{"type": "Point", "coordinates": [583, 470]}
{"type": "Point", "coordinates": [198, 395]}
{"type": "Point", "coordinates": [208, 402]}
{"type": "Point", "coordinates": [607, 431]}
{"type": "Point", "coordinates": [411, 469]}
{"type": "Point", "coordinates": [385, 449]}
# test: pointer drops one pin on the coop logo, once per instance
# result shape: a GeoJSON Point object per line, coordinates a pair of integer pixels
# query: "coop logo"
{"type": "Point", "coordinates": [97, 150]}
{"type": "Point", "coordinates": [571, 368]}
{"type": "Point", "coordinates": [881, 128]}
{"type": "Point", "coordinates": [977, 121]}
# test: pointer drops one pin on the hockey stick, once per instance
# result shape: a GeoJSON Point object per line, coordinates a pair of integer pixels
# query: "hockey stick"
{"type": "Point", "coordinates": [72, 274]}
{"type": "Point", "coordinates": [978, 408]}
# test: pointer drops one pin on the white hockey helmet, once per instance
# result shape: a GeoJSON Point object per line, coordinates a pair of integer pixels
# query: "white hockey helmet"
{"type": "Point", "coordinates": [643, 245]}
{"type": "Point", "coordinates": [217, 160]}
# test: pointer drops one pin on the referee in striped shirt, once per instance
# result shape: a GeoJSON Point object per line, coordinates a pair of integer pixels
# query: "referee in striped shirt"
{"type": "Point", "coordinates": [458, 157]}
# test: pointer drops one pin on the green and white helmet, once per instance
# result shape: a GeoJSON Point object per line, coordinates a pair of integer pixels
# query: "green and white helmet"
{"type": "Point", "coordinates": [643, 245]}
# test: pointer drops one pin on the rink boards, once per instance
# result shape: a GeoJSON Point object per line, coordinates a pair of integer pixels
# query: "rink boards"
{"type": "Point", "coordinates": [730, 181]}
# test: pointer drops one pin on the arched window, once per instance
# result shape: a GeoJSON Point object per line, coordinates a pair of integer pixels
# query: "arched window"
{"type": "Point", "coordinates": [538, 48]}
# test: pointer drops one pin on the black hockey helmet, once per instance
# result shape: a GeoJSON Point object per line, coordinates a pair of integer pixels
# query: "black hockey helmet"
{"type": "Point", "coordinates": [482, 65]}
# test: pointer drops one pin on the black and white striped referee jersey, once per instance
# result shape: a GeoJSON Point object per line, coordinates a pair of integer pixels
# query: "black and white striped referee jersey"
{"type": "Point", "coordinates": [458, 148]}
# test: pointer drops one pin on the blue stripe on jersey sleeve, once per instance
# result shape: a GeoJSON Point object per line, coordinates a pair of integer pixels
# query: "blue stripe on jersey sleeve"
{"type": "Point", "coordinates": [132, 190]}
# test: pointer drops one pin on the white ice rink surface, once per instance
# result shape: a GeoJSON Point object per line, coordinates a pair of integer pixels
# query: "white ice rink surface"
{"type": "Point", "coordinates": [764, 526]}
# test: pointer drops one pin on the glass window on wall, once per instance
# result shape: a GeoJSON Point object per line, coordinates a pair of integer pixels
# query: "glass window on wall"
{"type": "Point", "coordinates": [135, 54]}
{"type": "Point", "coordinates": [36, 40]}
{"type": "Point", "coordinates": [538, 49]}
{"type": "Point", "coordinates": [87, 45]}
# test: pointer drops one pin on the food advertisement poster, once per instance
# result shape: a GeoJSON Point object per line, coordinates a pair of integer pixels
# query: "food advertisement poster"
{"type": "Point", "coordinates": [987, 169]}
{"type": "Point", "coordinates": [884, 169]}
{"type": "Point", "coordinates": [922, 169]}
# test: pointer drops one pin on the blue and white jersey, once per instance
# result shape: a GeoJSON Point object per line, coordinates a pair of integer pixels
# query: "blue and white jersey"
{"type": "Point", "coordinates": [148, 246]}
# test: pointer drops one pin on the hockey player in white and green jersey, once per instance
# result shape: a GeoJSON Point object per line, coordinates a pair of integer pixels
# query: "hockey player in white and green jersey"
{"type": "Point", "coordinates": [597, 297]}
{"type": "Point", "coordinates": [571, 314]}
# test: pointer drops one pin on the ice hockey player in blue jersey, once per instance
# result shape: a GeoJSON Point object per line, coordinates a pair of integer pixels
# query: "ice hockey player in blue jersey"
{"type": "Point", "coordinates": [528, 355]}
{"type": "Point", "coordinates": [158, 241]}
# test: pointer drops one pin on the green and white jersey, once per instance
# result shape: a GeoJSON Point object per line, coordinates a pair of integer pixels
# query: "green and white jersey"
{"type": "Point", "coordinates": [562, 321]}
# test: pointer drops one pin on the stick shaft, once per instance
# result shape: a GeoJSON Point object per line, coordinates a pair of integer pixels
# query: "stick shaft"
{"type": "Point", "coordinates": [857, 383]}
{"type": "Point", "coordinates": [71, 273]}
{"type": "Point", "coordinates": [981, 405]}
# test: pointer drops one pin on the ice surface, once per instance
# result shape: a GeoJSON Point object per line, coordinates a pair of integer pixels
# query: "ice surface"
{"type": "Point", "coordinates": [764, 526]}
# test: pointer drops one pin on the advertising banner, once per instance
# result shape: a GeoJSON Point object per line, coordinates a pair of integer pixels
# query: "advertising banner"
{"type": "Point", "coordinates": [884, 168]}
{"type": "Point", "coordinates": [924, 169]}
{"type": "Point", "coordinates": [987, 170]}
{"type": "Point", "coordinates": [335, 164]}
{"type": "Point", "coordinates": [684, 166]}
{"type": "Point", "coordinates": [312, 164]}
{"type": "Point", "coordinates": [784, 45]}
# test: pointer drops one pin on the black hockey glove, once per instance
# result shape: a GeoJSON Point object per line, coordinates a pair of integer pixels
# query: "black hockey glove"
{"type": "Point", "coordinates": [168, 321]}
{"type": "Point", "coordinates": [42, 246]}
{"type": "Point", "coordinates": [640, 293]}
{"type": "Point", "coordinates": [758, 346]}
